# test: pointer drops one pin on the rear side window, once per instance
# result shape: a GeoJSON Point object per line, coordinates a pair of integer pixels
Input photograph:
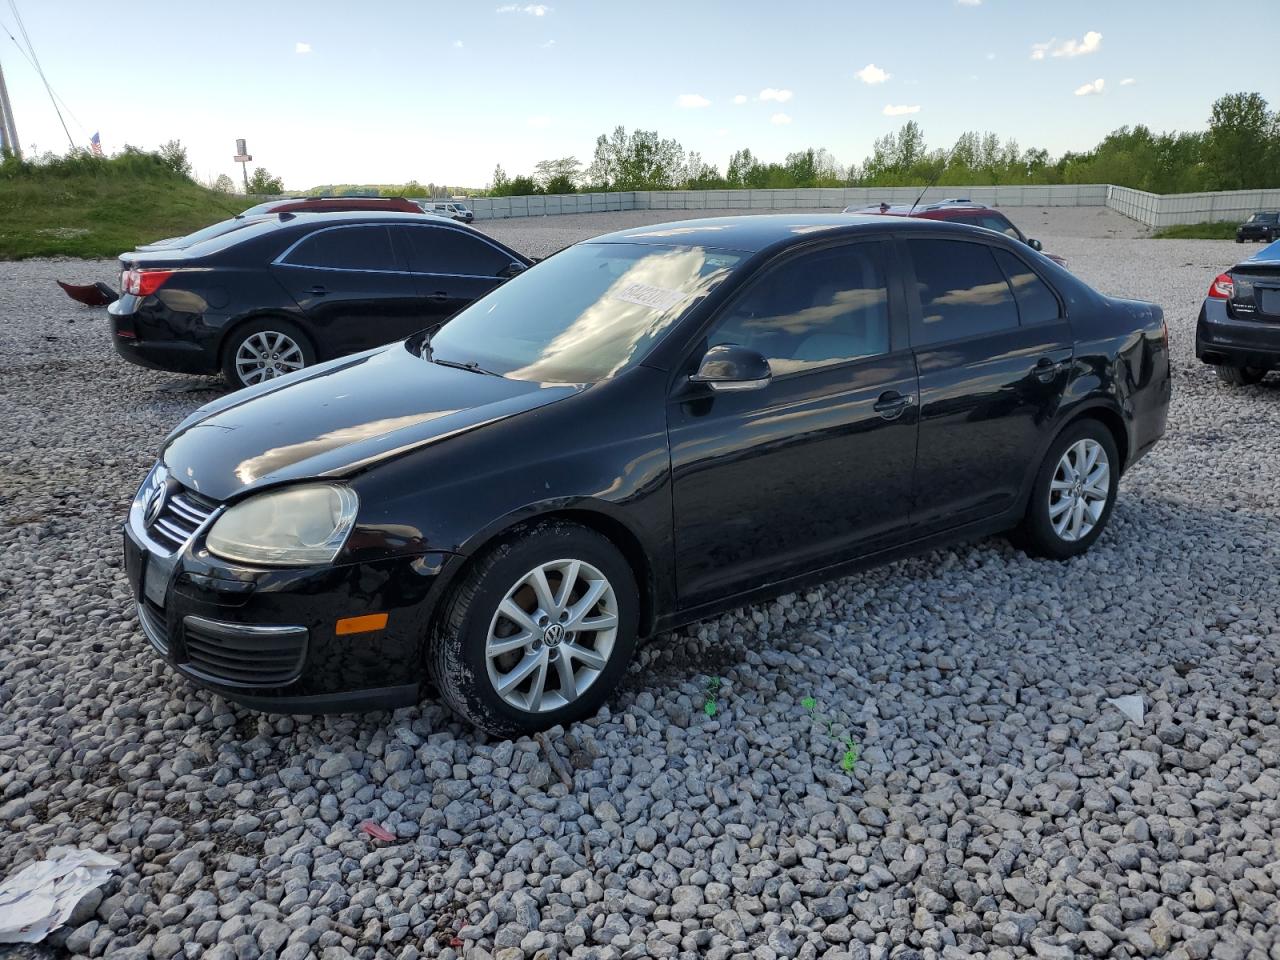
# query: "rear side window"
{"type": "Point", "coordinates": [346, 248]}
{"type": "Point", "coordinates": [994, 221]}
{"type": "Point", "coordinates": [963, 292]}
{"type": "Point", "coordinates": [817, 309]}
{"type": "Point", "coordinates": [443, 250]}
{"type": "Point", "coordinates": [1036, 302]}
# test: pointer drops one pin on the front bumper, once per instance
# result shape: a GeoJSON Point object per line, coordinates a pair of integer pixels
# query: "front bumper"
{"type": "Point", "coordinates": [1225, 340]}
{"type": "Point", "coordinates": [267, 638]}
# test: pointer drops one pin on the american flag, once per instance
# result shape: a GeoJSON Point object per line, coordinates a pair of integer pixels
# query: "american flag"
{"type": "Point", "coordinates": [95, 144]}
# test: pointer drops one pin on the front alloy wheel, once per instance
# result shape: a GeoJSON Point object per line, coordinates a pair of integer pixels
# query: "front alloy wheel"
{"type": "Point", "coordinates": [552, 635]}
{"type": "Point", "coordinates": [537, 631]}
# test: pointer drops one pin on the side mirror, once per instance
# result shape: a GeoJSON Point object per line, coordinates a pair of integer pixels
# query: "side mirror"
{"type": "Point", "coordinates": [1035, 245]}
{"type": "Point", "coordinates": [729, 367]}
{"type": "Point", "coordinates": [511, 269]}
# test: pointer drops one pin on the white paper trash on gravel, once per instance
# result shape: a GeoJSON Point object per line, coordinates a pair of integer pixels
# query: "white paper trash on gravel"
{"type": "Point", "coordinates": [1131, 705]}
{"type": "Point", "coordinates": [39, 898]}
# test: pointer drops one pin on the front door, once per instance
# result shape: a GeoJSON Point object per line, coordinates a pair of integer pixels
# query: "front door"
{"type": "Point", "coordinates": [994, 350]}
{"type": "Point", "coordinates": [352, 286]}
{"type": "Point", "coordinates": [815, 467]}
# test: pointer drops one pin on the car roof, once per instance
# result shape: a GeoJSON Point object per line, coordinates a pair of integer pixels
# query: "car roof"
{"type": "Point", "coordinates": [752, 233]}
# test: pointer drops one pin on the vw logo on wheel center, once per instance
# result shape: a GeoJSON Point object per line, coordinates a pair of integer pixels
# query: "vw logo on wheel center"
{"type": "Point", "coordinates": [553, 635]}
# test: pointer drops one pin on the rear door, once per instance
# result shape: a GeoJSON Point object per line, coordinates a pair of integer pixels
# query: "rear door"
{"type": "Point", "coordinates": [352, 286]}
{"type": "Point", "coordinates": [994, 350]}
{"type": "Point", "coordinates": [450, 266]}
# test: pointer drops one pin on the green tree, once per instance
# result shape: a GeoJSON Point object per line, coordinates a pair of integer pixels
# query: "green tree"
{"type": "Point", "coordinates": [262, 183]}
{"type": "Point", "coordinates": [558, 176]}
{"type": "Point", "coordinates": [1242, 147]}
{"type": "Point", "coordinates": [224, 184]}
{"type": "Point", "coordinates": [174, 156]}
{"type": "Point", "coordinates": [500, 181]}
{"type": "Point", "coordinates": [640, 160]}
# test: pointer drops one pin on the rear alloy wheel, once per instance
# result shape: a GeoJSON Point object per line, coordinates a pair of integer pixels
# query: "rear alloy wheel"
{"type": "Point", "coordinates": [264, 350]}
{"type": "Point", "coordinates": [538, 631]}
{"type": "Point", "coordinates": [1074, 493]}
{"type": "Point", "coordinates": [1239, 376]}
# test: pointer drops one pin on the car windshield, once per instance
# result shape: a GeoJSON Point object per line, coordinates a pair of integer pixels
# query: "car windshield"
{"type": "Point", "coordinates": [1263, 218]}
{"type": "Point", "coordinates": [583, 315]}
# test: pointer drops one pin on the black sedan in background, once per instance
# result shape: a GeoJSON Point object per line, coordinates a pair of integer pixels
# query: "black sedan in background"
{"type": "Point", "coordinates": [1238, 330]}
{"type": "Point", "coordinates": [281, 292]}
{"type": "Point", "coordinates": [639, 432]}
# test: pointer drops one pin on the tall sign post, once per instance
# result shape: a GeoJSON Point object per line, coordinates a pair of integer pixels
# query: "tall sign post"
{"type": "Point", "coordinates": [8, 128]}
{"type": "Point", "coordinates": [242, 157]}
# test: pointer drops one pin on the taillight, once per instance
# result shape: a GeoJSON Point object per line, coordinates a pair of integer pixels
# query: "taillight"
{"type": "Point", "coordinates": [143, 283]}
{"type": "Point", "coordinates": [1222, 288]}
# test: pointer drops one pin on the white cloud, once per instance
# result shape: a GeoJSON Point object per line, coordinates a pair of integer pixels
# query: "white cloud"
{"type": "Point", "coordinates": [692, 101]}
{"type": "Point", "coordinates": [1067, 48]}
{"type": "Point", "coordinates": [457, 44]}
{"type": "Point", "coordinates": [533, 9]}
{"type": "Point", "coordinates": [548, 45]}
{"type": "Point", "coordinates": [740, 98]}
{"type": "Point", "coordinates": [779, 96]}
{"type": "Point", "coordinates": [991, 56]}
{"type": "Point", "coordinates": [780, 119]}
{"type": "Point", "coordinates": [872, 74]}
{"type": "Point", "coordinates": [1128, 82]}
{"type": "Point", "coordinates": [301, 47]}
{"type": "Point", "coordinates": [969, 3]}
{"type": "Point", "coordinates": [538, 122]}
{"type": "Point", "coordinates": [899, 110]}
{"type": "Point", "coordinates": [722, 132]}
{"type": "Point", "coordinates": [1091, 88]}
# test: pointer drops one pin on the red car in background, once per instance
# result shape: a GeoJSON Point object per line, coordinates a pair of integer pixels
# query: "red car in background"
{"type": "Point", "coordinates": [328, 204]}
{"type": "Point", "coordinates": [960, 211]}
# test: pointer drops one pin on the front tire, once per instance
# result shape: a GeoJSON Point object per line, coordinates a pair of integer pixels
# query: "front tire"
{"type": "Point", "coordinates": [1239, 376]}
{"type": "Point", "coordinates": [538, 632]}
{"type": "Point", "coordinates": [1073, 494]}
{"type": "Point", "coordinates": [264, 349]}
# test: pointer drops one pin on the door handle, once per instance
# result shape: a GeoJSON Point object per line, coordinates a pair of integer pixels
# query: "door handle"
{"type": "Point", "coordinates": [892, 403]}
{"type": "Point", "coordinates": [318, 291]}
{"type": "Point", "coordinates": [1047, 369]}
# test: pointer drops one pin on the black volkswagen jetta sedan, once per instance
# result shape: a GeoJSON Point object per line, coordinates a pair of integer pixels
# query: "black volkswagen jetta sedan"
{"type": "Point", "coordinates": [274, 294]}
{"type": "Point", "coordinates": [639, 432]}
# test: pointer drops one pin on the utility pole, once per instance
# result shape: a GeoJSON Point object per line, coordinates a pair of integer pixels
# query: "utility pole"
{"type": "Point", "coordinates": [8, 127]}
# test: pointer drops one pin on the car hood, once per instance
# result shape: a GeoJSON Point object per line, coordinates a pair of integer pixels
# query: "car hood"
{"type": "Point", "coordinates": [339, 417]}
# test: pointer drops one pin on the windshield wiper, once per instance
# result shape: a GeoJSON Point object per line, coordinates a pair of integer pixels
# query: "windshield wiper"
{"type": "Point", "coordinates": [465, 365]}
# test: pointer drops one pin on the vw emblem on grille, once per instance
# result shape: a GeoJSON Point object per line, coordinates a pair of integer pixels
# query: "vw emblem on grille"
{"type": "Point", "coordinates": [155, 503]}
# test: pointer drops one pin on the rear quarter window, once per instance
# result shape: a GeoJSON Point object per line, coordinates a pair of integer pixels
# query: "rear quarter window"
{"type": "Point", "coordinates": [1036, 302]}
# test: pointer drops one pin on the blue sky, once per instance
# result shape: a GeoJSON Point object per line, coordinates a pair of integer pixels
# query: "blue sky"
{"type": "Point", "coordinates": [388, 90]}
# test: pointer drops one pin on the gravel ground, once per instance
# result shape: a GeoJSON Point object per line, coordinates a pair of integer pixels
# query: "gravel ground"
{"type": "Point", "coordinates": [999, 807]}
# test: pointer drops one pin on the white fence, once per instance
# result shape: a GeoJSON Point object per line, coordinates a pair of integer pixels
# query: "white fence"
{"type": "Point", "coordinates": [493, 208]}
{"type": "Point", "coordinates": [1153, 209]}
{"type": "Point", "coordinates": [1166, 210]}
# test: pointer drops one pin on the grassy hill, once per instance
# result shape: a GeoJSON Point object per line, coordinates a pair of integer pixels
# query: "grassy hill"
{"type": "Point", "coordinates": [86, 206]}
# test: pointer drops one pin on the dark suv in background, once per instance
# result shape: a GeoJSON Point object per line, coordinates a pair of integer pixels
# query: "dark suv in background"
{"type": "Point", "coordinates": [282, 292]}
{"type": "Point", "coordinates": [1261, 226]}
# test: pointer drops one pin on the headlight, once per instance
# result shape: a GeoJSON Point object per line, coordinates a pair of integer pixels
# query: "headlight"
{"type": "Point", "coordinates": [296, 526]}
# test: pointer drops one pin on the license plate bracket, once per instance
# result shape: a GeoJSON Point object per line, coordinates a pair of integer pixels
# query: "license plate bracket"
{"type": "Point", "coordinates": [155, 581]}
{"type": "Point", "coordinates": [1269, 301]}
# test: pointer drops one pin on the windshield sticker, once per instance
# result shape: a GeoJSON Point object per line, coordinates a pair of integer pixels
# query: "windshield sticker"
{"type": "Point", "coordinates": [647, 295]}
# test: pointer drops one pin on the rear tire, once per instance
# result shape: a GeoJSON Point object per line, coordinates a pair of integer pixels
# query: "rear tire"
{"type": "Point", "coordinates": [1073, 493]}
{"type": "Point", "coordinates": [504, 652]}
{"type": "Point", "coordinates": [1239, 376]}
{"type": "Point", "coordinates": [263, 350]}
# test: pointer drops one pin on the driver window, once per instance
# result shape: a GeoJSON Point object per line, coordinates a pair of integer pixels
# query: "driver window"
{"type": "Point", "coordinates": [812, 311]}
